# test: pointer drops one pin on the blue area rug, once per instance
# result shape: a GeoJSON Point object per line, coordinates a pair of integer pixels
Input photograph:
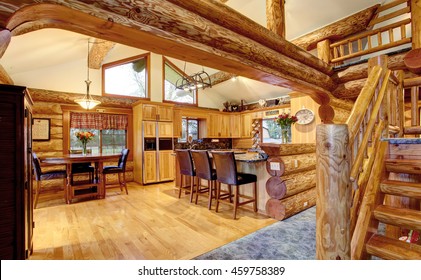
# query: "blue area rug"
{"type": "Point", "coordinates": [291, 239]}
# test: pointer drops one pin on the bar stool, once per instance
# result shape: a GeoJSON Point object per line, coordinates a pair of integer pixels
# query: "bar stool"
{"type": "Point", "coordinates": [226, 173]}
{"type": "Point", "coordinates": [204, 171]}
{"type": "Point", "coordinates": [185, 162]}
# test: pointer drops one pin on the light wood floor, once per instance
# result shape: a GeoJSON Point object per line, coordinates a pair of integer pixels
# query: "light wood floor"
{"type": "Point", "coordinates": [149, 223]}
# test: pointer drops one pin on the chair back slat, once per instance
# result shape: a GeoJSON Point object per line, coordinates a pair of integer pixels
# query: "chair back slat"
{"type": "Point", "coordinates": [123, 159]}
{"type": "Point", "coordinates": [37, 167]}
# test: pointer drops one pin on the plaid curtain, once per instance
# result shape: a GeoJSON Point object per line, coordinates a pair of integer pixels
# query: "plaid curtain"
{"type": "Point", "coordinates": [98, 121]}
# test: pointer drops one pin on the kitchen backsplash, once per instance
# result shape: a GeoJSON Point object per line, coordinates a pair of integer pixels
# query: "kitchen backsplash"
{"type": "Point", "coordinates": [205, 144]}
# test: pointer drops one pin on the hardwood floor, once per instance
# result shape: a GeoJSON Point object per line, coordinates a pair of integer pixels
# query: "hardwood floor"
{"type": "Point", "coordinates": [149, 223]}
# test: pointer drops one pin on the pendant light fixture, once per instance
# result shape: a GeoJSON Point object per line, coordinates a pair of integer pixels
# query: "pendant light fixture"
{"type": "Point", "coordinates": [87, 102]}
{"type": "Point", "coordinates": [194, 82]}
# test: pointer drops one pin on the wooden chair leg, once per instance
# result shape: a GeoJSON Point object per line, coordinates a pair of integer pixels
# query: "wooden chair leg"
{"type": "Point", "coordinates": [37, 190]}
{"type": "Point", "coordinates": [191, 188]}
{"type": "Point", "coordinates": [125, 183]}
{"type": "Point", "coordinates": [210, 190]}
{"type": "Point", "coordinates": [104, 179]}
{"type": "Point", "coordinates": [197, 189]}
{"type": "Point", "coordinates": [218, 195]}
{"type": "Point", "coordinates": [119, 181]}
{"type": "Point", "coordinates": [181, 186]}
{"type": "Point", "coordinates": [235, 202]}
{"type": "Point", "coordinates": [255, 197]}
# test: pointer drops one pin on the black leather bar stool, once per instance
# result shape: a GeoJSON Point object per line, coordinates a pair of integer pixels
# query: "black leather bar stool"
{"type": "Point", "coordinates": [185, 162]}
{"type": "Point", "coordinates": [226, 173]}
{"type": "Point", "coordinates": [47, 175]}
{"type": "Point", "coordinates": [204, 170]}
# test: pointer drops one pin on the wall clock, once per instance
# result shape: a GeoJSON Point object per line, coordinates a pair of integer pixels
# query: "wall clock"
{"type": "Point", "coordinates": [304, 116]}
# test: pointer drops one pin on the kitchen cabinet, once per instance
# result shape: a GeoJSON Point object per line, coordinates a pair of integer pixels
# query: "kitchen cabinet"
{"type": "Point", "coordinates": [235, 126]}
{"type": "Point", "coordinates": [153, 112]}
{"type": "Point", "coordinates": [177, 123]}
{"type": "Point", "coordinates": [149, 129]}
{"type": "Point", "coordinates": [246, 122]}
{"type": "Point", "coordinates": [166, 165]}
{"type": "Point", "coordinates": [149, 167]}
{"type": "Point", "coordinates": [165, 129]}
{"type": "Point", "coordinates": [218, 125]}
{"type": "Point", "coordinates": [16, 207]}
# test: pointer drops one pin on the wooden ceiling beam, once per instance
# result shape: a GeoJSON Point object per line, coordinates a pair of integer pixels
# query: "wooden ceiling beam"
{"type": "Point", "coordinates": [99, 50]}
{"type": "Point", "coordinates": [338, 30]}
{"type": "Point", "coordinates": [4, 77]}
{"type": "Point", "coordinates": [205, 33]}
{"type": "Point", "coordinates": [5, 37]}
{"type": "Point", "coordinates": [275, 16]}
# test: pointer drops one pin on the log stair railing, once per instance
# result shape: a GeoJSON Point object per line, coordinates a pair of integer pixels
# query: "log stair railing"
{"type": "Point", "coordinates": [382, 38]}
{"type": "Point", "coordinates": [396, 218]}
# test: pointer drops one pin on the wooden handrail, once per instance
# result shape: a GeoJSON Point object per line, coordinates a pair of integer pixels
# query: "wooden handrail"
{"type": "Point", "coordinates": [369, 200]}
{"type": "Point", "coordinates": [363, 178]}
{"type": "Point", "coordinates": [358, 111]}
{"type": "Point", "coordinates": [369, 129]}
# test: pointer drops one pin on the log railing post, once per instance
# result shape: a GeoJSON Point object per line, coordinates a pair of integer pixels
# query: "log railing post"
{"type": "Point", "coordinates": [334, 192]}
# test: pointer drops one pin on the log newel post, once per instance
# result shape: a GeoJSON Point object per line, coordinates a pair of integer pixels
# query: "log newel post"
{"type": "Point", "coordinates": [334, 192]}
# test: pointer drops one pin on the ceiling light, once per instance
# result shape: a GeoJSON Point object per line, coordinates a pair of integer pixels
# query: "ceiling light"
{"type": "Point", "coordinates": [194, 82]}
{"type": "Point", "coordinates": [87, 102]}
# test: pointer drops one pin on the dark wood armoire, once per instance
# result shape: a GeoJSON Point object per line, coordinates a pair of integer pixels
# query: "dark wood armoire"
{"type": "Point", "coordinates": [16, 212]}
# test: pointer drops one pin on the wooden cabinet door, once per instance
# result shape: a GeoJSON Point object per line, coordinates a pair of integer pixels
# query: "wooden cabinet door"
{"type": "Point", "coordinates": [149, 129]}
{"type": "Point", "coordinates": [149, 167]}
{"type": "Point", "coordinates": [166, 166]}
{"type": "Point", "coordinates": [246, 126]}
{"type": "Point", "coordinates": [149, 112]}
{"type": "Point", "coordinates": [165, 129]}
{"type": "Point", "coordinates": [235, 126]}
{"type": "Point", "coordinates": [165, 113]}
{"type": "Point", "coordinates": [213, 124]}
{"type": "Point", "coordinates": [177, 123]}
{"type": "Point", "coordinates": [224, 126]}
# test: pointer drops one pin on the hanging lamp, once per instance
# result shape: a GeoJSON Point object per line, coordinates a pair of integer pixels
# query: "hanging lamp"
{"type": "Point", "coordinates": [87, 102]}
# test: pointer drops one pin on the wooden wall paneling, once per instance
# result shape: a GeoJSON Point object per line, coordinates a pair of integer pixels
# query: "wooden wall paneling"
{"type": "Point", "coordinates": [304, 133]}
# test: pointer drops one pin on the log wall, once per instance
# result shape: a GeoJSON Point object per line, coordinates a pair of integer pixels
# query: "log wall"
{"type": "Point", "coordinates": [291, 186]}
{"type": "Point", "coordinates": [54, 147]}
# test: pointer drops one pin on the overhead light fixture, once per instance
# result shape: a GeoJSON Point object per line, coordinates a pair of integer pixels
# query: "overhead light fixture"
{"type": "Point", "coordinates": [194, 82]}
{"type": "Point", "coordinates": [87, 102]}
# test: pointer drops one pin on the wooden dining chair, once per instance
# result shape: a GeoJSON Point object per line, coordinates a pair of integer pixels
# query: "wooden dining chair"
{"type": "Point", "coordinates": [119, 169]}
{"type": "Point", "coordinates": [226, 173]}
{"type": "Point", "coordinates": [185, 163]}
{"type": "Point", "coordinates": [204, 170]}
{"type": "Point", "coordinates": [46, 175]}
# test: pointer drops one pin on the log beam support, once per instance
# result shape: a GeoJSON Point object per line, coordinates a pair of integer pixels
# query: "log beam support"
{"type": "Point", "coordinates": [334, 193]}
{"type": "Point", "coordinates": [275, 14]}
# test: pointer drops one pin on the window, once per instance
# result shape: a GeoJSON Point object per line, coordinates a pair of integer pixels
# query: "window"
{"type": "Point", "coordinates": [171, 75]}
{"type": "Point", "coordinates": [128, 77]}
{"type": "Point", "coordinates": [110, 131]}
{"type": "Point", "coordinates": [271, 132]}
{"type": "Point", "coordinates": [189, 127]}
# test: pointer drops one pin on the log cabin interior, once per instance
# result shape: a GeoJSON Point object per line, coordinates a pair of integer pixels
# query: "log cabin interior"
{"type": "Point", "coordinates": [352, 72]}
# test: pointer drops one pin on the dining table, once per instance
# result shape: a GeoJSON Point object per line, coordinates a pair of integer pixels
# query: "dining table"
{"type": "Point", "coordinates": [94, 188]}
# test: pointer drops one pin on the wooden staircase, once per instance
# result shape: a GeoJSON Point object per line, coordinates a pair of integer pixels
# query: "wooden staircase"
{"type": "Point", "coordinates": [400, 191]}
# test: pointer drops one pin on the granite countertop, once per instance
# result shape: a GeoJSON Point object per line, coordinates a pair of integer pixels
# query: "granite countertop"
{"type": "Point", "coordinates": [242, 155]}
{"type": "Point", "coordinates": [403, 140]}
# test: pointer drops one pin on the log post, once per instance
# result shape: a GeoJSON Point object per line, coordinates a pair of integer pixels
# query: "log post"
{"type": "Point", "coordinates": [334, 192]}
{"type": "Point", "coordinates": [381, 61]}
{"type": "Point", "coordinates": [416, 23]}
{"type": "Point", "coordinates": [275, 14]}
{"type": "Point", "coordinates": [323, 50]}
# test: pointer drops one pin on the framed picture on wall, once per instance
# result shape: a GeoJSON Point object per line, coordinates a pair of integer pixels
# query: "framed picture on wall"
{"type": "Point", "coordinates": [41, 129]}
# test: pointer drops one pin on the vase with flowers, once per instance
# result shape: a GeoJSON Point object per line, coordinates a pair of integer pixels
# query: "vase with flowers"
{"type": "Point", "coordinates": [285, 120]}
{"type": "Point", "coordinates": [84, 137]}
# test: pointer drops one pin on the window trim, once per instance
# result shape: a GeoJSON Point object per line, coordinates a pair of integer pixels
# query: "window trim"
{"type": "Point", "coordinates": [147, 56]}
{"type": "Point", "coordinates": [181, 72]}
{"type": "Point", "coordinates": [67, 109]}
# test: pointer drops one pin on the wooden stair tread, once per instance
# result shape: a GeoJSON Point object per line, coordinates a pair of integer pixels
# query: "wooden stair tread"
{"type": "Point", "coordinates": [411, 166]}
{"type": "Point", "coordinates": [392, 249]}
{"type": "Point", "coordinates": [401, 188]}
{"type": "Point", "coordinates": [402, 217]}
